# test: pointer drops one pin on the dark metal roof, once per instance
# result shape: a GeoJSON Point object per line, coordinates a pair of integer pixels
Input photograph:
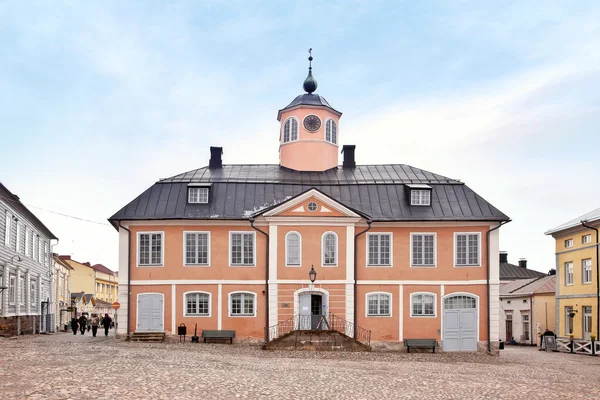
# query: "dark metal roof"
{"type": "Point", "coordinates": [377, 191]}
{"type": "Point", "coordinates": [308, 100]}
{"type": "Point", "coordinates": [509, 272]}
{"type": "Point", "coordinates": [273, 173]}
{"type": "Point", "coordinates": [14, 202]}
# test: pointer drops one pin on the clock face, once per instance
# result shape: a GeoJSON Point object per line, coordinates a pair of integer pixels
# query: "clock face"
{"type": "Point", "coordinates": [312, 123]}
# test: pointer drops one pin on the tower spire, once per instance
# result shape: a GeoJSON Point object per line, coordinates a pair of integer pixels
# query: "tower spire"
{"type": "Point", "coordinates": [310, 83]}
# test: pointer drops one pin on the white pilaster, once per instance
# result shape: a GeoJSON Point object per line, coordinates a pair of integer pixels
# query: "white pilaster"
{"type": "Point", "coordinates": [350, 302]}
{"type": "Point", "coordinates": [28, 291]}
{"type": "Point", "coordinates": [173, 309]}
{"type": "Point", "coordinates": [5, 283]}
{"type": "Point", "coordinates": [442, 293]}
{"type": "Point", "coordinates": [350, 253]}
{"type": "Point", "coordinates": [494, 287]}
{"type": "Point", "coordinates": [400, 313]}
{"type": "Point", "coordinates": [18, 292]}
{"type": "Point", "coordinates": [273, 287]}
{"type": "Point", "coordinates": [121, 323]}
{"type": "Point", "coordinates": [220, 306]}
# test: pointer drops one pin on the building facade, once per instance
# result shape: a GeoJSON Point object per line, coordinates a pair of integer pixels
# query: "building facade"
{"type": "Point", "coordinates": [527, 309]}
{"type": "Point", "coordinates": [399, 251]}
{"type": "Point", "coordinates": [107, 286]}
{"type": "Point", "coordinates": [26, 299]}
{"type": "Point", "coordinates": [62, 289]}
{"type": "Point", "coordinates": [96, 280]}
{"type": "Point", "coordinates": [577, 294]}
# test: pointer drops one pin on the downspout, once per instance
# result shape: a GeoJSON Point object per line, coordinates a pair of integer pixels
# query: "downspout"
{"type": "Point", "coordinates": [487, 277]}
{"type": "Point", "coordinates": [597, 280]}
{"type": "Point", "coordinates": [266, 280]}
{"type": "Point", "coordinates": [369, 222]}
{"type": "Point", "coordinates": [531, 320]}
{"type": "Point", "coordinates": [128, 279]}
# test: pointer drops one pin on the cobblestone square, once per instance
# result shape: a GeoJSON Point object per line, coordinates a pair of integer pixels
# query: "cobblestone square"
{"type": "Point", "coordinates": [63, 366]}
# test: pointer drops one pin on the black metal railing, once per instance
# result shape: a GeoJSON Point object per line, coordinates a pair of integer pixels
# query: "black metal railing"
{"type": "Point", "coordinates": [320, 322]}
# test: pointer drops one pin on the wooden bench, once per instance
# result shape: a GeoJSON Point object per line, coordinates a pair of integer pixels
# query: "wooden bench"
{"type": "Point", "coordinates": [420, 343]}
{"type": "Point", "coordinates": [217, 335]}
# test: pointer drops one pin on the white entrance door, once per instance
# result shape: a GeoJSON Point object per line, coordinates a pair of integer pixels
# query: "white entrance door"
{"type": "Point", "coordinates": [460, 323]}
{"type": "Point", "coordinates": [150, 313]}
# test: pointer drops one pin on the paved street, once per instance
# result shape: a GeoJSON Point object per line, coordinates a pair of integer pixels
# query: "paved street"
{"type": "Point", "coordinates": [76, 367]}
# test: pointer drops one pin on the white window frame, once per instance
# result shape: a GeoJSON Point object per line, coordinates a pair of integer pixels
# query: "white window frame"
{"type": "Point", "coordinates": [40, 250]}
{"type": "Point", "coordinates": [569, 265]}
{"type": "Point", "coordinates": [46, 255]}
{"type": "Point", "coordinates": [479, 263]}
{"type": "Point", "coordinates": [289, 119]}
{"type": "Point", "coordinates": [335, 124]}
{"type": "Point", "coordinates": [526, 319]}
{"type": "Point", "coordinates": [208, 244]}
{"type": "Point", "coordinates": [568, 243]}
{"type": "Point", "coordinates": [424, 315]}
{"type": "Point", "coordinates": [7, 229]}
{"type": "Point", "coordinates": [22, 290]}
{"type": "Point", "coordinates": [585, 239]}
{"type": "Point", "coordinates": [390, 298]}
{"type": "Point", "coordinates": [254, 308]}
{"type": "Point", "coordinates": [434, 265]}
{"type": "Point", "coordinates": [185, 313]}
{"type": "Point", "coordinates": [585, 270]}
{"type": "Point", "coordinates": [27, 242]}
{"type": "Point", "coordinates": [202, 195]}
{"type": "Point", "coordinates": [253, 233]}
{"type": "Point", "coordinates": [287, 235]}
{"type": "Point", "coordinates": [12, 294]}
{"type": "Point", "coordinates": [18, 247]}
{"type": "Point", "coordinates": [420, 200]}
{"type": "Point", "coordinates": [337, 244]}
{"type": "Point", "coordinates": [391, 264]}
{"type": "Point", "coordinates": [162, 249]}
{"type": "Point", "coordinates": [32, 293]}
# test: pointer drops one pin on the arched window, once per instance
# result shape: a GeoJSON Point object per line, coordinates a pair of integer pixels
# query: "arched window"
{"type": "Point", "coordinates": [330, 249]}
{"type": "Point", "coordinates": [293, 249]}
{"type": "Point", "coordinates": [422, 305]}
{"type": "Point", "coordinates": [197, 304]}
{"type": "Point", "coordinates": [379, 304]}
{"type": "Point", "coordinates": [290, 130]}
{"type": "Point", "coordinates": [331, 131]}
{"type": "Point", "coordinates": [460, 302]}
{"type": "Point", "coordinates": [242, 304]}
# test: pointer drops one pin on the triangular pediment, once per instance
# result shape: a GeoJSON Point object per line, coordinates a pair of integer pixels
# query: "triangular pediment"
{"type": "Point", "coordinates": [311, 204]}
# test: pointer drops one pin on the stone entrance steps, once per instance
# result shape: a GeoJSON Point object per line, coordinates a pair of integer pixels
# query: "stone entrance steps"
{"type": "Point", "coordinates": [152, 337]}
{"type": "Point", "coordinates": [316, 340]}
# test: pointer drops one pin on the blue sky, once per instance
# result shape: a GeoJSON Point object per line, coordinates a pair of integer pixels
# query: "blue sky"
{"type": "Point", "coordinates": [98, 101]}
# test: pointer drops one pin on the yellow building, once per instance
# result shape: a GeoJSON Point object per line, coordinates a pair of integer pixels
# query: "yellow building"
{"type": "Point", "coordinates": [577, 295]}
{"type": "Point", "coordinates": [96, 280]}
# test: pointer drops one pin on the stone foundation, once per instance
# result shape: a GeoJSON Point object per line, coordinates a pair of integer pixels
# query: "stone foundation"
{"type": "Point", "coordinates": [22, 325]}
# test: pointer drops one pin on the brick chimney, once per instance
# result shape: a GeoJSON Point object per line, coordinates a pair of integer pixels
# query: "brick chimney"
{"type": "Point", "coordinates": [503, 257]}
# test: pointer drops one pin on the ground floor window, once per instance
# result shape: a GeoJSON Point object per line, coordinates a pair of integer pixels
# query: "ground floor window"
{"type": "Point", "coordinates": [197, 304]}
{"type": "Point", "coordinates": [423, 304]}
{"type": "Point", "coordinates": [526, 326]}
{"type": "Point", "coordinates": [242, 304]}
{"type": "Point", "coordinates": [378, 304]}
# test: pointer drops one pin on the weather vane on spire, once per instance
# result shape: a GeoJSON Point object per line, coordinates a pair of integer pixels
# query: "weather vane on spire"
{"type": "Point", "coordinates": [310, 83]}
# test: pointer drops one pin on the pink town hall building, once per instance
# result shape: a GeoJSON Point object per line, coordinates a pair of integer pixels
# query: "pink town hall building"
{"type": "Point", "coordinates": [398, 252]}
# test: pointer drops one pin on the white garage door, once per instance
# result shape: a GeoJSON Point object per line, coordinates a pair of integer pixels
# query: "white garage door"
{"type": "Point", "coordinates": [460, 323]}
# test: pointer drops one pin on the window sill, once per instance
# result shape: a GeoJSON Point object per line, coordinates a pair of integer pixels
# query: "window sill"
{"type": "Point", "coordinates": [378, 316]}
{"type": "Point", "coordinates": [197, 265]}
{"type": "Point", "coordinates": [379, 265]}
{"type": "Point", "coordinates": [329, 266]}
{"type": "Point", "coordinates": [242, 316]}
{"type": "Point", "coordinates": [150, 266]}
{"type": "Point", "coordinates": [242, 265]}
{"type": "Point", "coordinates": [424, 266]}
{"type": "Point", "coordinates": [196, 316]}
{"type": "Point", "coordinates": [587, 283]}
{"type": "Point", "coordinates": [468, 266]}
{"type": "Point", "coordinates": [293, 266]}
{"type": "Point", "coordinates": [423, 316]}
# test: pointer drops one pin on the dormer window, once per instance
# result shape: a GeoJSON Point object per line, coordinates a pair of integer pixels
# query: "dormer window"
{"type": "Point", "coordinates": [420, 197]}
{"type": "Point", "coordinates": [198, 195]}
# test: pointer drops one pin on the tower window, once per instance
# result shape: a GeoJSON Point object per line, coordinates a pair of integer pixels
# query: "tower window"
{"type": "Point", "coordinates": [290, 130]}
{"type": "Point", "coordinates": [331, 131]}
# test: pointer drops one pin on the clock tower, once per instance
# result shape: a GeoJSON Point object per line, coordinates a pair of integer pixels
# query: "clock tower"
{"type": "Point", "coordinates": [309, 134]}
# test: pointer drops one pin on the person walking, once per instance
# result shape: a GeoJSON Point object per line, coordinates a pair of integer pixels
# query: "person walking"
{"type": "Point", "coordinates": [74, 324]}
{"type": "Point", "coordinates": [95, 321]}
{"type": "Point", "coordinates": [82, 324]}
{"type": "Point", "coordinates": [106, 321]}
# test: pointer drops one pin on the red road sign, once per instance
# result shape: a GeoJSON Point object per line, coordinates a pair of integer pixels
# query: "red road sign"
{"type": "Point", "coordinates": [116, 305]}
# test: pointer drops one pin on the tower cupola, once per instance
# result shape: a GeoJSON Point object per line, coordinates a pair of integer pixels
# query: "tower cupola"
{"type": "Point", "coordinates": [309, 134]}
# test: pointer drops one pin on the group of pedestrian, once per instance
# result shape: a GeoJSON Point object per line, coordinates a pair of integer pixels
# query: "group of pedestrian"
{"type": "Point", "coordinates": [82, 323]}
